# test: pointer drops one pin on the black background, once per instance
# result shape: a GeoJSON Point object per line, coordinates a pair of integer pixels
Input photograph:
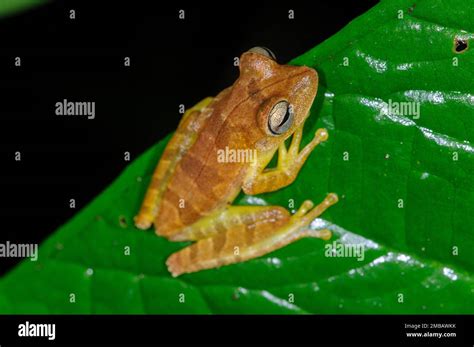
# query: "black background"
{"type": "Point", "coordinates": [173, 62]}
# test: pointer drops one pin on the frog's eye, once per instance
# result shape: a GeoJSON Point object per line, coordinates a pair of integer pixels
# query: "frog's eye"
{"type": "Point", "coordinates": [263, 51]}
{"type": "Point", "coordinates": [280, 118]}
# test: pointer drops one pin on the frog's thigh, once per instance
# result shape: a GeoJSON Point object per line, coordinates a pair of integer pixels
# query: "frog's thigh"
{"type": "Point", "coordinates": [242, 218]}
{"type": "Point", "coordinates": [237, 244]}
{"type": "Point", "coordinates": [182, 139]}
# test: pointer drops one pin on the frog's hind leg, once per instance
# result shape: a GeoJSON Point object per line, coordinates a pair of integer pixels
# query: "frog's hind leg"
{"type": "Point", "coordinates": [181, 141]}
{"type": "Point", "coordinates": [236, 245]}
{"type": "Point", "coordinates": [237, 218]}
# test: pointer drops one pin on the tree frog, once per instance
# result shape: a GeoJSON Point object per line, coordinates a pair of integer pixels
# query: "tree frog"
{"type": "Point", "coordinates": [193, 186]}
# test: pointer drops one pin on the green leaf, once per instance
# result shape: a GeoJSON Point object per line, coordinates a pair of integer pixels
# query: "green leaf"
{"type": "Point", "coordinates": [10, 7]}
{"type": "Point", "coordinates": [406, 194]}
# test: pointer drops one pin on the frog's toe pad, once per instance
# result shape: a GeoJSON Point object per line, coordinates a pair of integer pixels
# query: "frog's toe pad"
{"type": "Point", "coordinates": [321, 135]}
{"type": "Point", "coordinates": [174, 265]}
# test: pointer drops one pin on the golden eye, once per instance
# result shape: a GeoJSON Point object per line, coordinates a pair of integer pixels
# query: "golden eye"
{"type": "Point", "coordinates": [263, 51]}
{"type": "Point", "coordinates": [280, 118]}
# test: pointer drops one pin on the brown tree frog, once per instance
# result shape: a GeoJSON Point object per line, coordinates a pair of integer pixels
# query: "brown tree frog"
{"type": "Point", "coordinates": [192, 189]}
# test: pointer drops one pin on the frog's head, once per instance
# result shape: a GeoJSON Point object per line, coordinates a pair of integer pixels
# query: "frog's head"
{"type": "Point", "coordinates": [281, 96]}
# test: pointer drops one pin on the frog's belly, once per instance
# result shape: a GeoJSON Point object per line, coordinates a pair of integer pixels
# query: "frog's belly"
{"type": "Point", "coordinates": [197, 189]}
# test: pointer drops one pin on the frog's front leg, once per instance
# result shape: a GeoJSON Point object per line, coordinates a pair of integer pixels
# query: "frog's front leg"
{"type": "Point", "coordinates": [238, 242]}
{"type": "Point", "coordinates": [261, 180]}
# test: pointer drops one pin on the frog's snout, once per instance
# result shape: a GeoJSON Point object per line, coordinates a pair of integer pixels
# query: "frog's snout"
{"type": "Point", "coordinates": [310, 75]}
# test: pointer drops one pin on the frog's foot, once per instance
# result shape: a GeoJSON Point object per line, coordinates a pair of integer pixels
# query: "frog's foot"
{"type": "Point", "coordinates": [292, 160]}
{"type": "Point", "coordinates": [233, 245]}
{"type": "Point", "coordinates": [289, 164]}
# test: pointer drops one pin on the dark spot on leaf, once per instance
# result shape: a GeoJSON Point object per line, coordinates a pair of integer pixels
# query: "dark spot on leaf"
{"type": "Point", "coordinates": [410, 10]}
{"type": "Point", "coordinates": [235, 295]}
{"type": "Point", "coordinates": [460, 45]}
{"type": "Point", "coordinates": [123, 221]}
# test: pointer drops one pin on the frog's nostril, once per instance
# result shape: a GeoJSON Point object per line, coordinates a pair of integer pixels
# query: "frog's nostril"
{"type": "Point", "coordinates": [310, 73]}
